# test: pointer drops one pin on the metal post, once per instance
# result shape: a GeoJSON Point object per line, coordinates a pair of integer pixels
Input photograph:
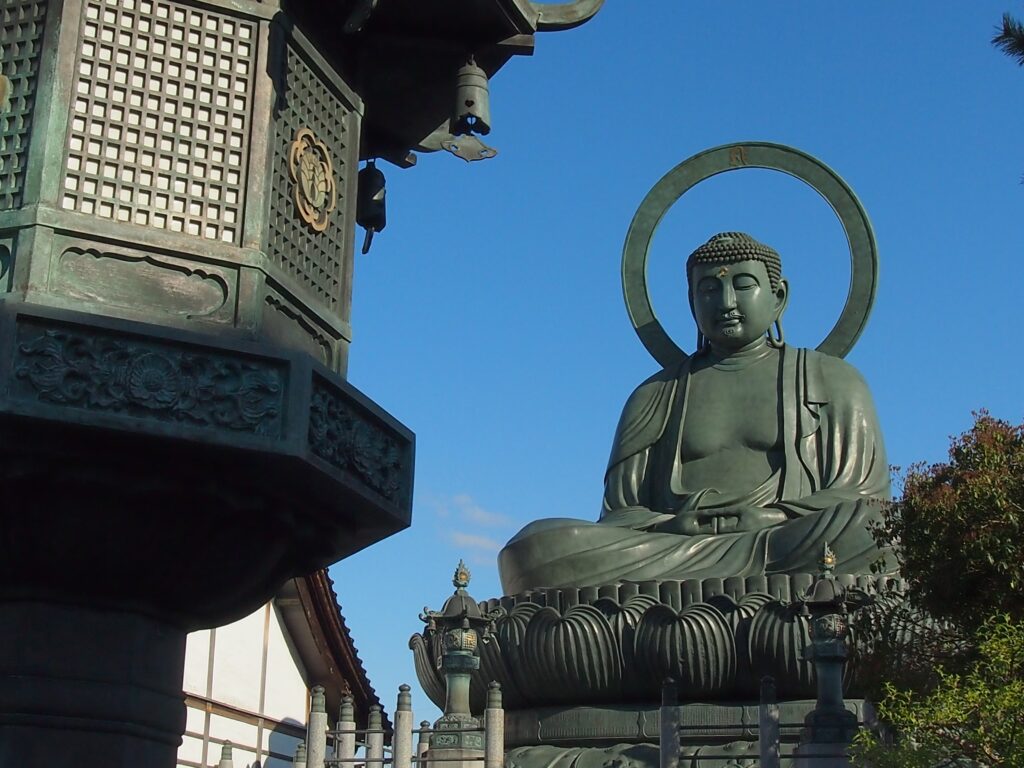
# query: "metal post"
{"type": "Point", "coordinates": [316, 736]}
{"type": "Point", "coordinates": [226, 761]}
{"type": "Point", "coordinates": [401, 742]}
{"type": "Point", "coordinates": [768, 730]}
{"type": "Point", "coordinates": [494, 728]}
{"type": "Point", "coordinates": [423, 745]}
{"type": "Point", "coordinates": [669, 733]}
{"type": "Point", "coordinates": [375, 738]}
{"type": "Point", "coordinates": [345, 743]}
{"type": "Point", "coordinates": [300, 756]}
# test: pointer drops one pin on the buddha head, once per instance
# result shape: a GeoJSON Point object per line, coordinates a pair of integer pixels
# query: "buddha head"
{"type": "Point", "coordinates": [736, 291]}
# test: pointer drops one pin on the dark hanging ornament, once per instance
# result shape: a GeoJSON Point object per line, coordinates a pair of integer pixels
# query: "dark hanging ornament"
{"type": "Point", "coordinates": [371, 209]}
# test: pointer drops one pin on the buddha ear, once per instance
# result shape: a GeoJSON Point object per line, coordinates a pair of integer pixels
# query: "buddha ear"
{"type": "Point", "coordinates": [781, 297]}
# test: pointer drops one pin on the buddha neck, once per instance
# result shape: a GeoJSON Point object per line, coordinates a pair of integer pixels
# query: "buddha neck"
{"type": "Point", "coordinates": [739, 359]}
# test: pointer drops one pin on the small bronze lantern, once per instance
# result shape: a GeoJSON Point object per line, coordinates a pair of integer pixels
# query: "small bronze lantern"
{"type": "Point", "coordinates": [827, 606]}
{"type": "Point", "coordinates": [460, 626]}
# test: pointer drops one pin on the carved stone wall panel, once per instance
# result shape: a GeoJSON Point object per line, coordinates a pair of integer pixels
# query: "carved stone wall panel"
{"type": "Point", "coordinates": [155, 380]}
{"type": "Point", "coordinates": [305, 101]}
{"type": "Point", "coordinates": [148, 283]}
{"type": "Point", "coordinates": [21, 34]}
{"type": "Point", "coordinates": [352, 440]}
{"type": "Point", "coordinates": [285, 324]}
{"type": "Point", "coordinates": [160, 117]}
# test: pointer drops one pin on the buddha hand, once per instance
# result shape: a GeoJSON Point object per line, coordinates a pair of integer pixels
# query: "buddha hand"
{"type": "Point", "coordinates": [693, 522]}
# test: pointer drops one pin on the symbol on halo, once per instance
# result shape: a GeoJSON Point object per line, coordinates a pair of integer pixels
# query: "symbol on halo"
{"type": "Point", "coordinates": [729, 157]}
{"type": "Point", "coordinates": [312, 175]}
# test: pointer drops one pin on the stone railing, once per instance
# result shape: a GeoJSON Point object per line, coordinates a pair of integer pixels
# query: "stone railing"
{"type": "Point", "coordinates": [348, 745]}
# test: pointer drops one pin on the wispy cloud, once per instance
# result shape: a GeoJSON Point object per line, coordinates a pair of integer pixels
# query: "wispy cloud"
{"type": "Point", "coordinates": [477, 533]}
{"type": "Point", "coordinates": [464, 508]}
{"type": "Point", "coordinates": [472, 512]}
{"type": "Point", "coordinates": [473, 541]}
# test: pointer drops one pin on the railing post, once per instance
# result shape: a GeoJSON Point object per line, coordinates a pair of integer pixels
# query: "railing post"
{"type": "Point", "coordinates": [768, 730]}
{"type": "Point", "coordinates": [423, 744]}
{"type": "Point", "coordinates": [401, 741]}
{"type": "Point", "coordinates": [494, 728]}
{"type": "Point", "coordinates": [345, 743]}
{"type": "Point", "coordinates": [375, 738]}
{"type": "Point", "coordinates": [316, 735]}
{"type": "Point", "coordinates": [300, 756]}
{"type": "Point", "coordinates": [226, 760]}
{"type": "Point", "coordinates": [669, 732]}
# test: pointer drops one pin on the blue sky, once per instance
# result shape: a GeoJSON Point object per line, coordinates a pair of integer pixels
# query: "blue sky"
{"type": "Point", "coordinates": [488, 316]}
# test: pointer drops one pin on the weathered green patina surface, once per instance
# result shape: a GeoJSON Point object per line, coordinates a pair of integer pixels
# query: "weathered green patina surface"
{"type": "Point", "coordinates": [731, 469]}
{"type": "Point", "coordinates": [178, 188]}
{"type": "Point", "coordinates": [742, 459]}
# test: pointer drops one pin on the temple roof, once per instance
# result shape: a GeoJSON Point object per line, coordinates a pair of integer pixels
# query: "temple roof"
{"type": "Point", "coordinates": [402, 56]}
{"type": "Point", "coordinates": [310, 611]}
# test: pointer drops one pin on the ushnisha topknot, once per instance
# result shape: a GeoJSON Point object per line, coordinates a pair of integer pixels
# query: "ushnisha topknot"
{"type": "Point", "coordinates": [731, 247]}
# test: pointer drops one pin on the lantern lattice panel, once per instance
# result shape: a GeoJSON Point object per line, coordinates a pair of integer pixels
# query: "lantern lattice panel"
{"type": "Point", "coordinates": [160, 117]}
{"type": "Point", "coordinates": [21, 33]}
{"type": "Point", "coordinates": [315, 258]}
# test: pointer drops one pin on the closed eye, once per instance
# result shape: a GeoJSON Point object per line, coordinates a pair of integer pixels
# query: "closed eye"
{"type": "Point", "coordinates": [745, 283]}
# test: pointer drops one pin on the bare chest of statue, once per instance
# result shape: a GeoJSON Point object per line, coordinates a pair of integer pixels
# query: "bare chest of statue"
{"type": "Point", "coordinates": [731, 437]}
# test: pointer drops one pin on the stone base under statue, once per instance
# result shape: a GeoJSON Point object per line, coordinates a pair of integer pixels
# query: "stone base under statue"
{"type": "Point", "coordinates": [615, 645]}
{"type": "Point", "coordinates": [582, 669]}
{"type": "Point", "coordinates": [699, 723]}
{"type": "Point", "coordinates": [711, 735]}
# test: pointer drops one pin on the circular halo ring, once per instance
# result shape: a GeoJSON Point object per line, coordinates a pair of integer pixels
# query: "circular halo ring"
{"type": "Point", "coordinates": [731, 157]}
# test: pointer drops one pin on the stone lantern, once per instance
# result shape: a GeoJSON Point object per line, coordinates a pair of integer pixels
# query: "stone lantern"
{"type": "Point", "coordinates": [178, 189]}
{"type": "Point", "coordinates": [830, 726]}
{"type": "Point", "coordinates": [458, 629]}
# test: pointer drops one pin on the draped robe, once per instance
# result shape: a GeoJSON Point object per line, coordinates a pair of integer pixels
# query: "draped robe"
{"type": "Point", "coordinates": [831, 484]}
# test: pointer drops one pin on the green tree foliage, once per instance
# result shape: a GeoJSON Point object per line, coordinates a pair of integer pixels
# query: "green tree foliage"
{"type": "Point", "coordinates": [974, 718]}
{"type": "Point", "coordinates": [958, 530]}
{"type": "Point", "coordinates": [948, 663]}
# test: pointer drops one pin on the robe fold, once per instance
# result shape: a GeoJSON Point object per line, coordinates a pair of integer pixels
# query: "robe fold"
{"type": "Point", "coordinates": [832, 483]}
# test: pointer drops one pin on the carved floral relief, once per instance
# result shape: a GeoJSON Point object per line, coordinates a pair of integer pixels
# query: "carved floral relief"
{"type": "Point", "coordinates": [175, 384]}
{"type": "Point", "coordinates": [353, 444]}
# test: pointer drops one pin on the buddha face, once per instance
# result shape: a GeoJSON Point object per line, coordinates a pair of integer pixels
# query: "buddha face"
{"type": "Point", "coordinates": [734, 304]}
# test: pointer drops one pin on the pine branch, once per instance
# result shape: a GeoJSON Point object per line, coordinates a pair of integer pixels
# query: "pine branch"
{"type": "Point", "coordinates": [1010, 38]}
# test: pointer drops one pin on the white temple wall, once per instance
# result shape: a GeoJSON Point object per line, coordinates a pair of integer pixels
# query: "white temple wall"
{"type": "Point", "coordinates": [243, 684]}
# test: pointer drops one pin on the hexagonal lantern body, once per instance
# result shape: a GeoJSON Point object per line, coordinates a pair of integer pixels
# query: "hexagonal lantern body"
{"type": "Point", "coordinates": [177, 195]}
{"type": "Point", "coordinates": [186, 164]}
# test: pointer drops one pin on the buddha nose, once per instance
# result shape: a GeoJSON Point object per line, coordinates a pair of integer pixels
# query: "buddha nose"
{"type": "Point", "coordinates": [728, 296]}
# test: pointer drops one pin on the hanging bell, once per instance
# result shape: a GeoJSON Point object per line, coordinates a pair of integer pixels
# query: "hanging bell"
{"type": "Point", "coordinates": [371, 209]}
{"type": "Point", "coordinates": [472, 101]}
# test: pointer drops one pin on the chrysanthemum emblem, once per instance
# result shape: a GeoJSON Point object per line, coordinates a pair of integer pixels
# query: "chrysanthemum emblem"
{"type": "Point", "coordinates": [312, 175]}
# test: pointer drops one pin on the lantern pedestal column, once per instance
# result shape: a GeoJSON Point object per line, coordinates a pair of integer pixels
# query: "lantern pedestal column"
{"type": "Point", "coordinates": [97, 688]}
{"type": "Point", "coordinates": [829, 728]}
